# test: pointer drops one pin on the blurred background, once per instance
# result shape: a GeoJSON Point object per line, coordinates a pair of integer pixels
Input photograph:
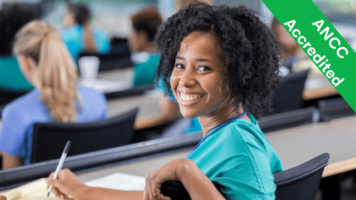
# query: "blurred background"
{"type": "Point", "coordinates": [126, 65]}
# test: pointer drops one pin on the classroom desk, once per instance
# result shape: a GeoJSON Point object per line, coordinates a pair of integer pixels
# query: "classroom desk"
{"type": "Point", "coordinates": [140, 168]}
{"type": "Point", "coordinates": [148, 108]}
{"type": "Point", "coordinates": [294, 146]}
{"type": "Point", "coordinates": [345, 122]}
{"type": "Point", "coordinates": [118, 75]}
{"type": "Point", "coordinates": [317, 86]}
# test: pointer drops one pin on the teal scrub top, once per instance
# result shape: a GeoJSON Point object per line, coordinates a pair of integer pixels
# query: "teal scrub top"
{"type": "Point", "coordinates": [145, 72]}
{"type": "Point", "coordinates": [11, 77]}
{"type": "Point", "coordinates": [238, 157]}
{"type": "Point", "coordinates": [73, 38]}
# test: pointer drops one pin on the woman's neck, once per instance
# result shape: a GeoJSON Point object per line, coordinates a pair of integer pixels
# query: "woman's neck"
{"type": "Point", "coordinates": [211, 121]}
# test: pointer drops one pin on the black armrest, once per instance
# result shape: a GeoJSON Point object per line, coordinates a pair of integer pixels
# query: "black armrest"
{"type": "Point", "coordinates": [176, 191]}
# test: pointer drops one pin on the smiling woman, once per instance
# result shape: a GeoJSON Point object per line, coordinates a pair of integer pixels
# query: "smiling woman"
{"type": "Point", "coordinates": [221, 65]}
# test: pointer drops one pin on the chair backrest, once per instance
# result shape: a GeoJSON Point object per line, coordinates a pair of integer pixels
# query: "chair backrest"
{"type": "Point", "coordinates": [334, 108]}
{"type": "Point", "coordinates": [301, 182]}
{"type": "Point", "coordinates": [298, 183]}
{"type": "Point", "coordinates": [288, 96]}
{"type": "Point", "coordinates": [129, 92]}
{"type": "Point", "coordinates": [49, 139]}
{"type": "Point", "coordinates": [6, 96]}
{"type": "Point", "coordinates": [118, 40]}
{"type": "Point", "coordinates": [288, 119]}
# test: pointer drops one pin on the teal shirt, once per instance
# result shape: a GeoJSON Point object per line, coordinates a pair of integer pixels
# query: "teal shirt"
{"type": "Point", "coordinates": [145, 72]}
{"type": "Point", "coordinates": [239, 158]}
{"type": "Point", "coordinates": [74, 40]}
{"type": "Point", "coordinates": [11, 77]}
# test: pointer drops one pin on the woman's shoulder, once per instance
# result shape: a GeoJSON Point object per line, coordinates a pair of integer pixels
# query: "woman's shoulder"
{"type": "Point", "coordinates": [25, 101]}
{"type": "Point", "coordinates": [246, 133]}
{"type": "Point", "coordinates": [24, 108]}
{"type": "Point", "coordinates": [72, 33]}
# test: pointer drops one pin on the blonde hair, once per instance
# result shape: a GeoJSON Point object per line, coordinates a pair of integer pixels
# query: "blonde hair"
{"type": "Point", "coordinates": [56, 75]}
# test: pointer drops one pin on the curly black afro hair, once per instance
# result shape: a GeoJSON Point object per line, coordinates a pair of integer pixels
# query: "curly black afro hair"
{"type": "Point", "coordinates": [250, 49]}
{"type": "Point", "coordinates": [12, 19]}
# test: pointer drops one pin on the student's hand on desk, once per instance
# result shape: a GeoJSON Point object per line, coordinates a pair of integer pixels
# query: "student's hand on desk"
{"type": "Point", "coordinates": [172, 171]}
{"type": "Point", "coordinates": [66, 184]}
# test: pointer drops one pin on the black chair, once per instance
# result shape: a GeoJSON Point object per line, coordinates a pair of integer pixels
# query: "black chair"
{"type": "Point", "coordinates": [288, 96]}
{"type": "Point", "coordinates": [129, 92]}
{"type": "Point", "coordinates": [288, 119]}
{"type": "Point", "coordinates": [49, 139]}
{"type": "Point", "coordinates": [334, 108]}
{"type": "Point", "coordinates": [118, 40]}
{"type": "Point", "coordinates": [298, 183]}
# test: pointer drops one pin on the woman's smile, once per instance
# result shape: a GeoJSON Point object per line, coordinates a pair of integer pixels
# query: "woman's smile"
{"type": "Point", "coordinates": [189, 98]}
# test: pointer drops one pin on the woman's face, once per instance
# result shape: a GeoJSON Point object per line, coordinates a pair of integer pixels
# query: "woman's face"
{"type": "Point", "coordinates": [137, 41]}
{"type": "Point", "coordinates": [197, 78]}
{"type": "Point", "coordinates": [285, 39]}
{"type": "Point", "coordinates": [68, 20]}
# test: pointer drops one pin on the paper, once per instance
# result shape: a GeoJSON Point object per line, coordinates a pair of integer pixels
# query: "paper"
{"type": "Point", "coordinates": [37, 190]}
{"type": "Point", "coordinates": [34, 190]}
{"type": "Point", "coordinates": [119, 181]}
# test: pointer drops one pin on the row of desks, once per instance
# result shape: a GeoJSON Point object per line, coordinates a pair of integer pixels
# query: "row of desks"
{"type": "Point", "coordinates": [294, 146]}
{"type": "Point", "coordinates": [315, 87]}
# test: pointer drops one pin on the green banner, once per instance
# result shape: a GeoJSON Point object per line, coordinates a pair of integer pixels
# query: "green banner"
{"type": "Point", "coordinates": [321, 42]}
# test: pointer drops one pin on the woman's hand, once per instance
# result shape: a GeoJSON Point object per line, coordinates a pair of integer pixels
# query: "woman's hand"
{"type": "Point", "coordinates": [66, 184]}
{"type": "Point", "coordinates": [172, 171]}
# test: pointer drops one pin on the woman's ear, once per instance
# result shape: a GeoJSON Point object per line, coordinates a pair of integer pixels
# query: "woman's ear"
{"type": "Point", "coordinates": [27, 66]}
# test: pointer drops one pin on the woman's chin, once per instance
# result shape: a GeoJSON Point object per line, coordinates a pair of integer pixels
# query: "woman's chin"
{"type": "Point", "coordinates": [189, 114]}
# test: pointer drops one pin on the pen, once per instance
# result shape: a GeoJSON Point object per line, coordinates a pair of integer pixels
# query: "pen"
{"type": "Point", "coordinates": [60, 164]}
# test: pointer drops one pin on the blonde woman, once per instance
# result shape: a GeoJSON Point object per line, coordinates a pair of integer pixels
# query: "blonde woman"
{"type": "Point", "coordinates": [46, 63]}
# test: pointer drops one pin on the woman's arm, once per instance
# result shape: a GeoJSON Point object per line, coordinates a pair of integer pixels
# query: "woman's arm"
{"type": "Point", "coordinates": [68, 184]}
{"type": "Point", "coordinates": [187, 172]}
{"type": "Point", "coordinates": [9, 162]}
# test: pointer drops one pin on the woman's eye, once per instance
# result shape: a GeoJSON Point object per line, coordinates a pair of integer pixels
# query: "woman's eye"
{"type": "Point", "coordinates": [203, 68]}
{"type": "Point", "coordinates": [179, 66]}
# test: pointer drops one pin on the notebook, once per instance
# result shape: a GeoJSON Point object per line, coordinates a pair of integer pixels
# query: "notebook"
{"type": "Point", "coordinates": [37, 190]}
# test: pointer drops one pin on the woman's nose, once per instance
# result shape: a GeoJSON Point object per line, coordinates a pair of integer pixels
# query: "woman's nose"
{"type": "Point", "coordinates": [187, 79]}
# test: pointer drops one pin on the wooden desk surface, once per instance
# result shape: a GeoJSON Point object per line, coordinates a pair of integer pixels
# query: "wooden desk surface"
{"type": "Point", "coordinates": [346, 122]}
{"type": "Point", "coordinates": [317, 86]}
{"type": "Point", "coordinates": [147, 104]}
{"type": "Point", "coordinates": [141, 168]}
{"type": "Point", "coordinates": [294, 146]}
{"type": "Point", "coordinates": [297, 145]}
{"type": "Point", "coordinates": [117, 75]}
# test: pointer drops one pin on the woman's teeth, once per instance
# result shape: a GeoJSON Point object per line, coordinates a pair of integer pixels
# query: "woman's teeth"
{"type": "Point", "coordinates": [189, 97]}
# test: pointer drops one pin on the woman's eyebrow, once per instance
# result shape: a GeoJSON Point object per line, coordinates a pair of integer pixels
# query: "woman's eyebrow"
{"type": "Point", "coordinates": [180, 58]}
{"type": "Point", "coordinates": [203, 60]}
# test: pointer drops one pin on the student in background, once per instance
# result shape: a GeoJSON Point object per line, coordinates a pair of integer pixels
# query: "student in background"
{"type": "Point", "coordinates": [144, 29]}
{"type": "Point", "coordinates": [221, 64]}
{"type": "Point", "coordinates": [12, 19]}
{"type": "Point", "coordinates": [78, 34]}
{"type": "Point", "coordinates": [47, 64]}
{"type": "Point", "coordinates": [289, 46]}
